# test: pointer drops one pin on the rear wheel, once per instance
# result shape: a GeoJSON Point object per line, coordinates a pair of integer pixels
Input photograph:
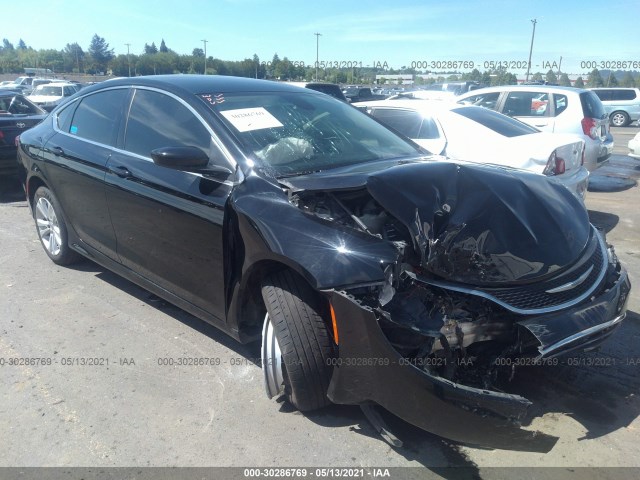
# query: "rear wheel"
{"type": "Point", "coordinates": [51, 227]}
{"type": "Point", "coordinates": [619, 119]}
{"type": "Point", "coordinates": [296, 346]}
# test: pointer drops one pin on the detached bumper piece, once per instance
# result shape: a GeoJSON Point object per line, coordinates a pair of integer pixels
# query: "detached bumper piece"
{"type": "Point", "coordinates": [368, 369]}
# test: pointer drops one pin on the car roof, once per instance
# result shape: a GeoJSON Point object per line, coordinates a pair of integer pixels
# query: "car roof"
{"type": "Point", "coordinates": [614, 88]}
{"type": "Point", "coordinates": [541, 88]}
{"type": "Point", "coordinates": [196, 84]}
{"type": "Point", "coordinates": [419, 105]}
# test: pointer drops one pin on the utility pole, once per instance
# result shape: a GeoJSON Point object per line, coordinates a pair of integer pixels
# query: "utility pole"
{"type": "Point", "coordinates": [534, 21]}
{"type": "Point", "coordinates": [318, 35]}
{"type": "Point", "coordinates": [205, 56]}
{"type": "Point", "coordinates": [560, 67]}
{"type": "Point", "coordinates": [128, 57]}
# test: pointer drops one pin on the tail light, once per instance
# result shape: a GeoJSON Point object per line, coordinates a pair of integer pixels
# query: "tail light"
{"type": "Point", "coordinates": [17, 140]}
{"type": "Point", "coordinates": [555, 165]}
{"type": "Point", "coordinates": [589, 127]}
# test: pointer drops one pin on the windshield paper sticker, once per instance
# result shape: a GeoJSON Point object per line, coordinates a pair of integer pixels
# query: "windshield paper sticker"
{"type": "Point", "coordinates": [247, 119]}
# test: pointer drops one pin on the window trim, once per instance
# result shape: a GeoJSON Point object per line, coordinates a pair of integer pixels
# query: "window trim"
{"type": "Point", "coordinates": [127, 106]}
{"type": "Point", "coordinates": [215, 139]}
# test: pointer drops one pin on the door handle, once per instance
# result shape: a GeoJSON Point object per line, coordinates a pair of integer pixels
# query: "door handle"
{"type": "Point", "coordinates": [58, 151]}
{"type": "Point", "coordinates": [122, 172]}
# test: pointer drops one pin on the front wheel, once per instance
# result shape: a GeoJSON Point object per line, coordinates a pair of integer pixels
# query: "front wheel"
{"type": "Point", "coordinates": [619, 119]}
{"type": "Point", "coordinates": [296, 346]}
{"type": "Point", "coordinates": [51, 227]}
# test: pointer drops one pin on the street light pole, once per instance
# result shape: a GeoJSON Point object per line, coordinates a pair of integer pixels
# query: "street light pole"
{"type": "Point", "coordinates": [128, 57]}
{"type": "Point", "coordinates": [318, 35]}
{"type": "Point", "coordinates": [205, 56]}
{"type": "Point", "coordinates": [534, 21]}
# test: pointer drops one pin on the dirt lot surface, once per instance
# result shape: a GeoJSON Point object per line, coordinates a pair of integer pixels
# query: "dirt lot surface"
{"type": "Point", "coordinates": [128, 406]}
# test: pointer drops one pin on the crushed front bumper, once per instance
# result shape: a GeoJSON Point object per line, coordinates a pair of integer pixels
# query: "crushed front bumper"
{"type": "Point", "coordinates": [368, 369]}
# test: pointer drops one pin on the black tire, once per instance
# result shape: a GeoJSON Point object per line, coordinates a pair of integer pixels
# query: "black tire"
{"type": "Point", "coordinates": [46, 209]}
{"type": "Point", "coordinates": [619, 119]}
{"type": "Point", "coordinates": [295, 311]}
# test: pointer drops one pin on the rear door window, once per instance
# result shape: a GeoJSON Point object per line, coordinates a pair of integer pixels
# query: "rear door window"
{"type": "Point", "coordinates": [560, 103]}
{"type": "Point", "coordinates": [526, 104]}
{"type": "Point", "coordinates": [624, 94]}
{"type": "Point", "coordinates": [65, 116]}
{"type": "Point", "coordinates": [603, 95]}
{"type": "Point", "coordinates": [96, 118]}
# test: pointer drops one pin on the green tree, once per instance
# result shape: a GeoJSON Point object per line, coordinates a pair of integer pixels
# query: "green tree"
{"type": "Point", "coordinates": [475, 75]}
{"type": "Point", "coordinates": [120, 65]}
{"type": "Point", "coordinates": [258, 69]}
{"type": "Point", "coordinates": [22, 45]}
{"type": "Point", "coordinates": [551, 77]}
{"type": "Point", "coordinates": [564, 80]}
{"type": "Point", "coordinates": [51, 59]}
{"type": "Point", "coordinates": [612, 81]}
{"type": "Point", "coordinates": [198, 52]}
{"type": "Point", "coordinates": [73, 57]}
{"type": "Point", "coordinates": [163, 47]}
{"type": "Point", "coordinates": [537, 77]}
{"type": "Point", "coordinates": [100, 54]}
{"type": "Point", "coordinates": [628, 81]}
{"type": "Point", "coordinates": [594, 79]}
{"type": "Point", "coordinates": [150, 49]}
{"type": "Point", "coordinates": [7, 45]}
{"type": "Point", "coordinates": [579, 83]}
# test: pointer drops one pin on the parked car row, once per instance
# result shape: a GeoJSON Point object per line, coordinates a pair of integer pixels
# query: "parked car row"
{"type": "Point", "coordinates": [479, 135]}
{"type": "Point", "coordinates": [370, 272]}
{"type": "Point", "coordinates": [53, 93]}
{"type": "Point", "coordinates": [17, 114]}
{"type": "Point", "coordinates": [621, 104]}
{"type": "Point", "coordinates": [553, 109]}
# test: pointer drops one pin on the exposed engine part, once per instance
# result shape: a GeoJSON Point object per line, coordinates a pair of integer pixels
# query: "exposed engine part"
{"type": "Point", "coordinates": [356, 209]}
{"type": "Point", "coordinates": [453, 335]}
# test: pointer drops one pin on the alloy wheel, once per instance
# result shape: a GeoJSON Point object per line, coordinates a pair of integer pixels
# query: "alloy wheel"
{"type": "Point", "coordinates": [48, 226]}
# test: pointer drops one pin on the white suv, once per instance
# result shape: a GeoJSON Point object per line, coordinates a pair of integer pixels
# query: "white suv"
{"type": "Point", "coordinates": [49, 95]}
{"type": "Point", "coordinates": [622, 104]}
{"type": "Point", "coordinates": [553, 109]}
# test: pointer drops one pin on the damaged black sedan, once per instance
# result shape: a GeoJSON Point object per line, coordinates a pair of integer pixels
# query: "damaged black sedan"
{"type": "Point", "coordinates": [371, 274]}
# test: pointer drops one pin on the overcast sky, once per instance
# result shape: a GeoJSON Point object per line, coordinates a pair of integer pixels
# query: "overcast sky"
{"type": "Point", "coordinates": [398, 33]}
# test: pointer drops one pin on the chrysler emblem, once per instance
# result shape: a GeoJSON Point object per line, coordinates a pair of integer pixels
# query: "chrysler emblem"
{"type": "Point", "coordinates": [570, 285]}
{"type": "Point", "coordinates": [21, 124]}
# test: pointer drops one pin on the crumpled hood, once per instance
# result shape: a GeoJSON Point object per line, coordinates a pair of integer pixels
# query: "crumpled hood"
{"type": "Point", "coordinates": [476, 224]}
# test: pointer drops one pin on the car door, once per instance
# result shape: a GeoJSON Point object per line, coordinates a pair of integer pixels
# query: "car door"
{"type": "Point", "coordinates": [76, 161]}
{"type": "Point", "coordinates": [168, 223]}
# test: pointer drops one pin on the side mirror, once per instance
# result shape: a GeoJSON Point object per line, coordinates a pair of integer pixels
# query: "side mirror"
{"type": "Point", "coordinates": [188, 159]}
